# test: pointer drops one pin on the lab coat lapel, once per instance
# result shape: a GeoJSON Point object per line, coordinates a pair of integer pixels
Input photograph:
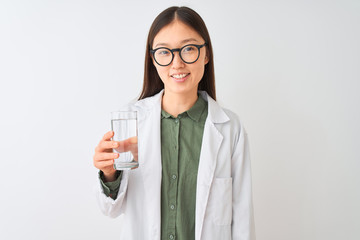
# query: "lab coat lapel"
{"type": "Point", "coordinates": [209, 151]}
{"type": "Point", "coordinates": [150, 164]}
{"type": "Point", "coordinates": [211, 142]}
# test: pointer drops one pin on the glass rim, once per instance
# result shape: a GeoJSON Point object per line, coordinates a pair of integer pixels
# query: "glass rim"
{"type": "Point", "coordinates": [124, 111]}
{"type": "Point", "coordinates": [123, 114]}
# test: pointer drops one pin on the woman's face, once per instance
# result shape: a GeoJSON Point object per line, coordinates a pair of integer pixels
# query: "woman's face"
{"type": "Point", "coordinates": [180, 77]}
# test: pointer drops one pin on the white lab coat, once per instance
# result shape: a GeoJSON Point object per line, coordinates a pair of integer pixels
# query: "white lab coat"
{"type": "Point", "coordinates": [223, 192]}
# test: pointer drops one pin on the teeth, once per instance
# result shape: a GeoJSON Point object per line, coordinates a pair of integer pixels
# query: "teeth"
{"type": "Point", "coordinates": [180, 75]}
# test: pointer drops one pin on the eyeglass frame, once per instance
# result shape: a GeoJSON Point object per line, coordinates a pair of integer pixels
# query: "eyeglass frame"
{"type": "Point", "coordinates": [152, 51]}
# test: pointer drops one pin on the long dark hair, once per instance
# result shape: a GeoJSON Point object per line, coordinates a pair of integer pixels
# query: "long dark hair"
{"type": "Point", "coordinates": [152, 83]}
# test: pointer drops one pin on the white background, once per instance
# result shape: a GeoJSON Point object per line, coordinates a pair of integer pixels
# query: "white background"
{"type": "Point", "coordinates": [289, 68]}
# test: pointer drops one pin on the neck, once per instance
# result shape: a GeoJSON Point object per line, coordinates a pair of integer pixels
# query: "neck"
{"type": "Point", "coordinates": [175, 104]}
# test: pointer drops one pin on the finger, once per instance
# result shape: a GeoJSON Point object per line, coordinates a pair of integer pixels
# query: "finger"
{"type": "Point", "coordinates": [134, 151]}
{"type": "Point", "coordinates": [102, 156]}
{"type": "Point", "coordinates": [135, 154]}
{"type": "Point", "coordinates": [131, 145]}
{"type": "Point", "coordinates": [103, 165]}
{"type": "Point", "coordinates": [126, 148]}
{"type": "Point", "coordinates": [108, 136]}
{"type": "Point", "coordinates": [106, 145]}
{"type": "Point", "coordinates": [127, 144]}
{"type": "Point", "coordinates": [133, 140]}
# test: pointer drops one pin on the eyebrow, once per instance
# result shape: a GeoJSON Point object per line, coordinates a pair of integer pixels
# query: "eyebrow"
{"type": "Point", "coordinates": [182, 42]}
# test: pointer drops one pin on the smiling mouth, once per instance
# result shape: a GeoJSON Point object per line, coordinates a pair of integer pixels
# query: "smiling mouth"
{"type": "Point", "coordinates": [180, 76]}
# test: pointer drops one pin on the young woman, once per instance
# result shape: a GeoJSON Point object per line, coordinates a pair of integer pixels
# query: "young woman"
{"type": "Point", "coordinates": [194, 177]}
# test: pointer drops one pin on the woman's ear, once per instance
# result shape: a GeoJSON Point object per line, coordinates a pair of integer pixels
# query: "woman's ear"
{"type": "Point", "coordinates": [206, 57]}
{"type": "Point", "coordinates": [152, 60]}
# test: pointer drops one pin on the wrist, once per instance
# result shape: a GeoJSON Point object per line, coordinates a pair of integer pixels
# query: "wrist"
{"type": "Point", "coordinates": [109, 176]}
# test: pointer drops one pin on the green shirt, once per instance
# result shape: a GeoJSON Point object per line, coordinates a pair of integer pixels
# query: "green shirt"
{"type": "Point", "coordinates": [181, 140]}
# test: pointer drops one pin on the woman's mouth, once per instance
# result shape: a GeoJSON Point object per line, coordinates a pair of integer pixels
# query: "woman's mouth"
{"type": "Point", "coordinates": [180, 77]}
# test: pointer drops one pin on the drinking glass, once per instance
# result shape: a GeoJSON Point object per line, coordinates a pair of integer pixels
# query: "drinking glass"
{"type": "Point", "coordinates": [124, 125]}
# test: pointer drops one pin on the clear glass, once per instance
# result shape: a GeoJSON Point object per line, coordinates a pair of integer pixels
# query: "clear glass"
{"type": "Point", "coordinates": [124, 125]}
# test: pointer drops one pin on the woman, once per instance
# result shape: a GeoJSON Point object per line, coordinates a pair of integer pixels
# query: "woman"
{"type": "Point", "coordinates": [194, 178]}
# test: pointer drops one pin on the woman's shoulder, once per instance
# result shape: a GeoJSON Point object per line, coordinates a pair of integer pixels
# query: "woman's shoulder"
{"type": "Point", "coordinates": [142, 104]}
{"type": "Point", "coordinates": [220, 114]}
{"type": "Point", "coordinates": [234, 117]}
{"type": "Point", "coordinates": [130, 106]}
{"type": "Point", "coordinates": [229, 119]}
{"type": "Point", "coordinates": [234, 120]}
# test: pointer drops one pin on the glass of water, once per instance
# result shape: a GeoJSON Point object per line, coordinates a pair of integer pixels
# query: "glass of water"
{"type": "Point", "coordinates": [124, 125]}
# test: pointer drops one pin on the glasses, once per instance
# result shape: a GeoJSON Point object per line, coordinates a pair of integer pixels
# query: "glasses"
{"type": "Point", "coordinates": [189, 54]}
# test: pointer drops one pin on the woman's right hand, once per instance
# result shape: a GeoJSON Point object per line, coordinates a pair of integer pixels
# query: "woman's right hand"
{"type": "Point", "coordinates": [104, 156]}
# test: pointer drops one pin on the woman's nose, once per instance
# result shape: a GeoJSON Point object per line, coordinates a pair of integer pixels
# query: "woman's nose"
{"type": "Point", "coordinates": [177, 61]}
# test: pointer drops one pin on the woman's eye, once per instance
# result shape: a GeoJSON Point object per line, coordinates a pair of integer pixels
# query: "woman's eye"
{"type": "Point", "coordinates": [189, 49]}
{"type": "Point", "coordinates": [163, 52]}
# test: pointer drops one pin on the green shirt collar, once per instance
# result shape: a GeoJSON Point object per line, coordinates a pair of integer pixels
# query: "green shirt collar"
{"type": "Point", "coordinates": [194, 112]}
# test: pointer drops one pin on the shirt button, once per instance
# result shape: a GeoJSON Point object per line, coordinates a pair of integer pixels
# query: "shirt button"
{"type": "Point", "coordinates": [176, 121]}
{"type": "Point", "coordinates": [172, 207]}
{"type": "Point", "coordinates": [171, 236]}
{"type": "Point", "coordinates": [174, 176]}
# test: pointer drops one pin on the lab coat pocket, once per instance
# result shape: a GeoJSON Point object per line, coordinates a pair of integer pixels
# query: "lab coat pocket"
{"type": "Point", "coordinates": [221, 201]}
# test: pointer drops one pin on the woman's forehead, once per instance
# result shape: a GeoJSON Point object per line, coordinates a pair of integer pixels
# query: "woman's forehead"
{"type": "Point", "coordinates": [180, 43]}
{"type": "Point", "coordinates": [176, 34]}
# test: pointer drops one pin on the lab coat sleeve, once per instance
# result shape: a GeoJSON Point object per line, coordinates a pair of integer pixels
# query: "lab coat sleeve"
{"type": "Point", "coordinates": [108, 206]}
{"type": "Point", "coordinates": [243, 227]}
{"type": "Point", "coordinates": [110, 188]}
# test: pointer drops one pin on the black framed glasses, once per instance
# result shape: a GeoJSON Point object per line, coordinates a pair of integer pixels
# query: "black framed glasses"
{"type": "Point", "coordinates": [189, 54]}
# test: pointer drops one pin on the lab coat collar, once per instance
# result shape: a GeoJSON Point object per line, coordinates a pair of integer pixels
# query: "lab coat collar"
{"type": "Point", "coordinates": [215, 113]}
{"type": "Point", "coordinates": [194, 113]}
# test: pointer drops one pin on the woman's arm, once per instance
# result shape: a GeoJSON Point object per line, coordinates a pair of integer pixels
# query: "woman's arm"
{"type": "Point", "coordinates": [103, 160]}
